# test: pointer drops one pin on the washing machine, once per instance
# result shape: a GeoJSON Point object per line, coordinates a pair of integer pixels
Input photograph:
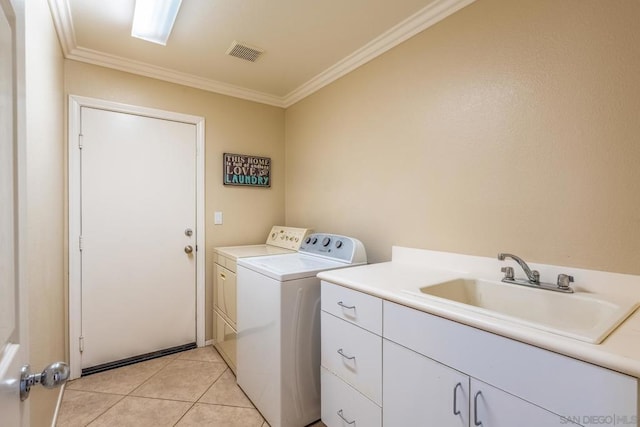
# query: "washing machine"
{"type": "Point", "coordinates": [279, 327]}
{"type": "Point", "coordinates": [281, 240]}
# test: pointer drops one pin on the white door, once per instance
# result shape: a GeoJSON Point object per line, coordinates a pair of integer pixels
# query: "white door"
{"type": "Point", "coordinates": [13, 334]}
{"type": "Point", "coordinates": [138, 201]}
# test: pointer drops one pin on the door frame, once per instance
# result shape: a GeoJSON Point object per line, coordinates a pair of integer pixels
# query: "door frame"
{"type": "Point", "coordinates": [75, 286]}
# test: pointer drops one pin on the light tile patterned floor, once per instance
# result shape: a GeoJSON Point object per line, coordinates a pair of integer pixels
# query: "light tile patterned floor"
{"type": "Point", "coordinates": [192, 388]}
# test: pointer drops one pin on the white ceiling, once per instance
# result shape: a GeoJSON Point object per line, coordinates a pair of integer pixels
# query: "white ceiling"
{"type": "Point", "coordinates": [307, 43]}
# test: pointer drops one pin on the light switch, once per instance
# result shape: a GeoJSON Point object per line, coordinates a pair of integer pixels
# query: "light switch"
{"type": "Point", "coordinates": [217, 218]}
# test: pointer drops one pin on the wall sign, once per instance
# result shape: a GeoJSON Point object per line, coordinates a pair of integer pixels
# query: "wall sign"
{"type": "Point", "coordinates": [240, 169]}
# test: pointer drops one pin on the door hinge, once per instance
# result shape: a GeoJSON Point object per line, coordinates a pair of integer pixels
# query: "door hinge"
{"type": "Point", "coordinates": [80, 243]}
{"type": "Point", "coordinates": [81, 343]}
{"type": "Point", "coordinates": [80, 141]}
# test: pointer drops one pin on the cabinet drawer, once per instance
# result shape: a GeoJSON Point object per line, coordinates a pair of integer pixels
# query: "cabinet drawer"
{"type": "Point", "coordinates": [342, 405]}
{"type": "Point", "coordinates": [353, 354]}
{"type": "Point", "coordinates": [353, 306]}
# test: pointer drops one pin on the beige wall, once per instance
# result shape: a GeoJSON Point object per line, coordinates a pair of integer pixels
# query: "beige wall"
{"type": "Point", "coordinates": [509, 126]}
{"type": "Point", "coordinates": [231, 125]}
{"type": "Point", "coordinates": [45, 167]}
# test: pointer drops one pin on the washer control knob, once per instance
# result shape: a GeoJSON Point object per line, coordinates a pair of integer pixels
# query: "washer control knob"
{"type": "Point", "coordinates": [308, 240]}
{"type": "Point", "coordinates": [326, 241]}
{"type": "Point", "coordinates": [339, 244]}
{"type": "Point", "coordinates": [314, 241]}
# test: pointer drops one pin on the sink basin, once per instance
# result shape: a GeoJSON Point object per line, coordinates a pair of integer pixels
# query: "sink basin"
{"type": "Point", "coordinates": [579, 315]}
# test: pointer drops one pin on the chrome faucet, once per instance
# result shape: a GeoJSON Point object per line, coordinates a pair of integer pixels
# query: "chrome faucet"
{"type": "Point", "coordinates": [533, 276]}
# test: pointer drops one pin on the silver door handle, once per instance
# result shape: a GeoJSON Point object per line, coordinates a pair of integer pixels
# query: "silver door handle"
{"type": "Point", "coordinates": [188, 249]}
{"type": "Point", "coordinates": [341, 353]}
{"type": "Point", "coordinates": [348, 307]}
{"type": "Point", "coordinates": [456, 411]}
{"type": "Point", "coordinates": [341, 415]}
{"type": "Point", "coordinates": [476, 421]}
{"type": "Point", "coordinates": [52, 376]}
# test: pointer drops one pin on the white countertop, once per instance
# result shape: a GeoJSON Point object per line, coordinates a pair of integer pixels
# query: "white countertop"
{"type": "Point", "coordinates": [414, 268]}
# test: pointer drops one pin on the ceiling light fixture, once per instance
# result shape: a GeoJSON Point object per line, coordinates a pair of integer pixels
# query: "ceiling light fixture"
{"type": "Point", "coordinates": [153, 19]}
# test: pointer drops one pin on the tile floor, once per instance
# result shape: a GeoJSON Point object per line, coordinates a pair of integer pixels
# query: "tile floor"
{"type": "Point", "coordinates": [192, 388]}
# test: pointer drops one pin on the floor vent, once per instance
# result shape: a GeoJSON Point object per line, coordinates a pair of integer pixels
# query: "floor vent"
{"type": "Point", "coordinates": [244, 51]}
{"type": "Point", "coordinates": [136, 359]}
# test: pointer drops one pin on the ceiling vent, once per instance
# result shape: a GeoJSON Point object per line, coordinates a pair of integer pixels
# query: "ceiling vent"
{"type": "Point", "coordinates": [244, 51]}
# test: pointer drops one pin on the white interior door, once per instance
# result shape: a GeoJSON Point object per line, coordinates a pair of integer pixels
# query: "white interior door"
{"type": "Point", "coordinates": [138, 198]}
{"type": "Point", "coordinates": [13, 334]}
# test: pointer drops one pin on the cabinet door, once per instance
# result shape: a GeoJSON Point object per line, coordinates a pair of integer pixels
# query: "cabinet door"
{"type": "Point", "coordinates": [492, 407]}
{"type": "Point", "coordinates": [418, 391]}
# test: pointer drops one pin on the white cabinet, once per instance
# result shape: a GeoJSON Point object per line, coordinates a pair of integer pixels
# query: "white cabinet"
{"type": "Point", "coordinates": [436, 372]}
{"type": "Point", "coordinates": [351, 357]}
{"type": "Point", "coordinates": [510, 383]}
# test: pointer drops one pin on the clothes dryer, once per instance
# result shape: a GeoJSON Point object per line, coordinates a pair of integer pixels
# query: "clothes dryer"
{"type": "Point", "coordinates": [281, 240]}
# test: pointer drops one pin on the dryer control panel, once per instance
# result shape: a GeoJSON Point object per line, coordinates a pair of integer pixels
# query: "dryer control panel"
{"type": "Point", "coordinates": [287, 237]}
{"type": "Point", "coordinates": [336, 247]}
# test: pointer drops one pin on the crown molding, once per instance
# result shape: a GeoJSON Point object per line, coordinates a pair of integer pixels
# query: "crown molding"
{"type": "Point", "coordinates": [168, 75]}
{"type": "Point", "coordinates": [418, 22]}
{"type": "Point", "coordinates": [423, 19]}
{"type": "Point", "coordinates": [63, 23]}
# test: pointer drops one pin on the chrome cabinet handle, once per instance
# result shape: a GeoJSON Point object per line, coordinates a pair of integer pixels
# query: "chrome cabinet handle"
{"type": "Point", "coordinates": [341, 415]}
{"type": "Point", "coordinates": [341, 353]}
{"type": "Point", "coordinates": [456, 411]}
{"type": "Point", "coordinates": [348, 307]}
{"type": "Point", "coordinates": [475, 409]}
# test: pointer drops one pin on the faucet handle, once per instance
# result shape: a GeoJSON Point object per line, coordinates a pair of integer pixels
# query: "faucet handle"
{"type": "Point", "coordinates": [508, 272]}
{"type": "Point", "coordinates": [564, 280]}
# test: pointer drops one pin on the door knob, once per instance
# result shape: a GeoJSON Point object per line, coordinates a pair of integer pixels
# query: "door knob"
{"type": "Point", "coordinates": [52, 376]}
{"type": "Point", "coordinates": [188, 249]}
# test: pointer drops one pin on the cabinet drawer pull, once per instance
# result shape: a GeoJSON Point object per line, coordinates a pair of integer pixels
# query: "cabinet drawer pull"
{"type": "Point", "coordinates": [348, 307]}
{"type": "Point", "coordinates": [341, 415]}
{"type": "Point", "coordinates": [341, 353]}
{"type": "Point", "coordinates": [456, 411]}
{"type": "Point", "coordinates": [475, 409]}
{"type": "Point", "coordinates": [222, 276]}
